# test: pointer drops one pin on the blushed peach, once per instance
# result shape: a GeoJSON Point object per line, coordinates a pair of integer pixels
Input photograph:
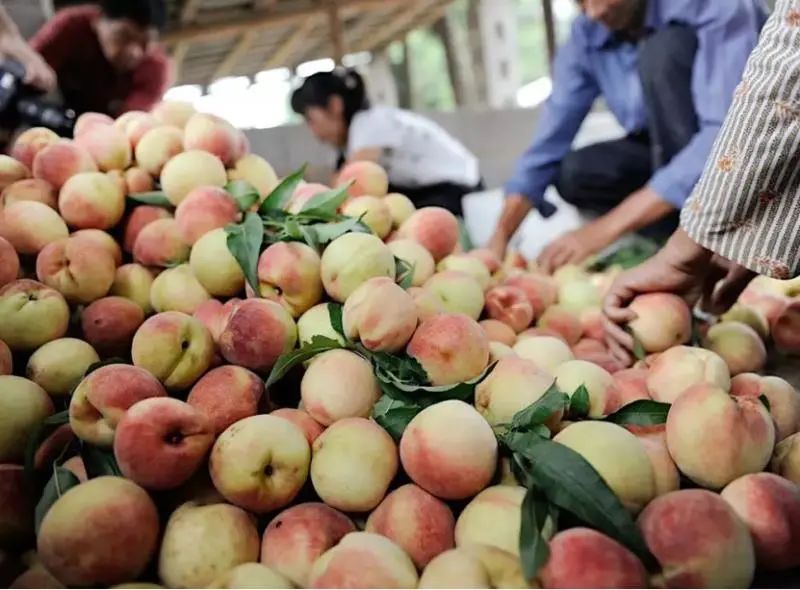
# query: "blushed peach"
{"type": "Point", "coordinates": [108, 324]}
{"type": "Point", "coordinates": [191, 169]}
{"type": "Point", "coordinates": [32, 314]}
{"type": "Point", "coordinates": [784, 401]}
{"type": "Point", "coordinates": [450, 463]}
{"type": "Point", "coordinates": [768, 304]}
{"type": "Point", "coordinates": [498, 350]}
{"type": "Point", "coordinates": [492, 518]}
{"type": "Point", "coordinates": [540, 290]}
{"type": "Point", "coordinates": [497, 331]}
{"type": "Point", "coordinates": [715, 438]}
{"type": "Point", "coordinates": [372, 211]}
{"type": "Point", "coordinates": [400, 208]}
{"type": "Point", "coordinates": [750, 316]}
{"type": "Point", "coordinates": [226, 395]}
{"type": "Point", "coordinates": [511, 306]}
{"type": "Point", "coordinates": [786, 460]}
{"type": "Point", "coordinates": [11, 171]}
{"type": "Point", "coordinates": [317, 322]}
{"type": "Point", "coordinates": [30, 142]}
{"type": "Point", "coordinates": [289, 274]}
{"type": "Point", "coordinates": [489, 259]}
{"type": "Point", "coordinates": [468, 265]}
{"type": "Point", "coordinates": [108, 146]}
{"type": "Point", "coordinates": [785, 329]}
{"type": "Point", "coordinates": [592, 324]}
{"type": "Point", "coordinates": [599, 384]}
{"type": "Point", "coordinates": [367, 178]}
{"type": "Point", "coordinates": [352, 259]}
{"type": "Point", "coordinates": [679, 368]}
{"type": "Point", "coordinates": [58, 162]}
{"type": "Point", "coordinates": [214, 315]}
{"type": "Point", "coordinates": [157, 147]}
{"type": "Point", "coordinates": [140, 217]}
{"type": "Point", "coordinates": [23, 406]}
{"type": "Point", "coordinates": [159, 243]}
{"type": "Point", "coordinates": [433, 227]}
{"type": "Point", "coordinates": [514, 260]}
{"type": "Point", "coordinates": [249, 575]}
{"type": "Point", "coordinates": [79, 269]}
{"type": "Point", "coordinates": [9, 262]}
{"type": "Point", "coordinates": [173, 112]}
{"type": "Point", "coordinates": [133, 281]}
{"type": "Point", "coordinates": [137, 180]}
{"type": "Point", "coordinates": [30, 189]}
{"type": "Point", "coordinates": [665, 473]}
{"type": "Point", "coordinates": [177, 289]}
{"type": "Point", "coordinates": [578, 296]}
{"type": "Point", "coordinates": [698, 541]}
{"type": "Point", "coordinates": [296, 537]}
{"type": "Point", "coordinates": [102, 239]}
{"type": "Point", "coordinates": [257, 333]}
{"type": "Point", "coordinates": [419, 523]}
{"type": "Point", "coordinates": [205, 208]}
{"type": "Point", "coordinates": [211, 134]}
{"type": "Point", "coordinates": [417, 256]}
{"type": "Point", "coordinates": [364, 317]}
{"type": "Point", "coordinates": [303, 194]}
{"type": "Point", "coordinates": [630, 385]}
{"type": "Point", "coordinates": [476, 566]}
{"type": "Point", "coordinates": [428, 304]}
{"type": "Point", "coordinates": [739, 345]}
{"type": "Point", "coordinates": [29, 226]}
{"type": "Point", "coordinates": [458, 291]}
{"type": "Point", "coordinates": [257, 171]}
{"type": "Point", "coordinates": [546, 352]}
{"type": "Point", "coordinates": [663, 321]}
{"type": "Point", "coordinates": [300, 418]}
{"type": "Point", "coordinates": [91, 200]}
{"type": "Point", "coordinates": [58, 366]}
{"type": "Point", "coordinates": [89, 121]}
{"type": "Point", "coordinates": [161, 441]}
{"type": "Point", "coordinates": [562, 321]}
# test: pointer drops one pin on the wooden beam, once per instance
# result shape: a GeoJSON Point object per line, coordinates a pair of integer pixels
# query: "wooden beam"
{"type": "Point", "coordinates": [550, 29]}
{"type": "Point", "coordinates": [178, 56]}
{"type": "Point", "coordinates": [234, 55]}
{"type": "Point", "coordinates": [288, 47]}
{"type": "Point", "coordinates": [422, 21]}
{"type": "Point", "coordinates": [396, 27]}
{"type": "Point", "coordinates": [188, 11]}
{"type": "Point", "coordinates": [337, 34]}
{"type": "Point", "coordinates": [216, 30]}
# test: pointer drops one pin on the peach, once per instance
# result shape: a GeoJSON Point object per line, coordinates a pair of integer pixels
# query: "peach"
{"type": "Point", "coordinates": [785, 329]}
{"type": "Point", "coordinates": [578, 296]}
{"type": "Point", "coordinates": [450, 463]}
{"type": "Point", "coordinates": [211, 134]}
{"type": "Point", "coordinates": [58, 366]}
{"type": "Point", "coordinates": [79, 269]}
{"type": "Point", "coordinates": [784, 401]}
{"type": "Point", "coordinates": [715, 438]}
{"type": "Point", "coordinates": [213, 314]}
{"type": "Point", "coordinates": [205, 208]}
{"type": "Point", "coordinates": [257, 333]}
{"type": "Point", "coordinates": [338, 384]}
{"type": "Point", "coordinates": [260, 463]}
{"type": "Point", "coordinates": [296, 537]}
{"type": "Point", "coordinates": [698, 540]}
{"type": "Point", "coordinates": [32, 313]}
{"type": "Point", "coordinates": [157, 147]}
{"type": "Point", "coordinates": [350, 260]}
{"type": "Point", "coordinates": [586, 347]}
{"type": "Point", "coordinates": [102, 239]}
{"type": "Point", "coordinates": [102, 532]}
{"type": "Point", "coordinates": [9, 263]}
{"type": "Point", "coordinates": [498, 331]}
{"type": "Point", "coordinates": [133, 281]}
{"type": "Point", "coordinates": [29, 226]}
{"type": "Point", "coordinates": [91, 200]}
{"type": "Point", "coordinates": [11, 171]}
{"type": "Point", "coordinates": [599, 383]}
{"type": "Point", "coordinates": [89, 121]}
{"type": "Point", "coordinates": [492, 518]}
{"type": "Point", "coordinates": [511, 306]}
{"type": "Point", "coordinates": [514, 260]}
{"type": "Point", "coordinates": [134, 124]}
{"type": "Point", "coordinates": [451, 348]}
{"type": "Point", "coordinates": [630, 385]}
{"type": "Point", "coordinates": [592, 324]}
{"type": "Point", "coordinates": [16, 507]}
{"type": "Point", "coordinates": [138, 180]}
{"type": "Point", "coordinates": [570, 273]}
{"type": "Point", "coordinates": [316, 322]}
{"type": "Point", "coordinates": [118, 177]}
{"type": "Point", "coordinates": [400, 208]}
{"type": "Point", "coordinates": [300, 418]}
{"type": "Point", "coordinates": [52, 448]}
{"type": "Point", "coordinates": [103, 397]}
{"type": "Point", "coordinates": [679, 368]}
{"type": "Point", "coordinates": [372, 211]}
{"type": "Point", "coordinates": [546, 352]}
{"type": "Point", "coordinates": [173, 112]}
{"type": "Point", "coordinates": [458, 291]}
{"type": "Point", "coordinates": [433, 227]}
{"type": "Point", "coordinates": [289, 274]}
{"type": "Point", "coordinates": [768, 304]}
{"type": "Point", "coordinates": [476, 566]}
{"type": "Point", "coordinates": [109, 324]}
{"type": "Point", "coordinates": [605, 563]}
{"type": "Point", "coordinates": [251, 575]}
{"type": "Point", "coordinates": [191, 169]}
{"type": "Point", "coordinates": [750, 316]}
{"type": "Point", "coordinates": [770, 507]}
{"type": "Point", "coordinates": [417, 256]}
{"type": "Point", "coordinates": [214, 266]}
{"type": "Point", "coordinates": [513, 385]}
{"type": "Point", "coordinates": [140, 217]}
{"type": "Point", "coordinates": [562, 321]}
{"type": "Point", "coordinates": [58, 162]}
{"type": "Point", "coordinates": [174, 347]}
{"type": "Point", "coordinates": [367, 178]}
{"type": "Point", "coordinates": [202, 542]}
{"type": "Point", "coordinates": [739, 345]}
{"type": "Point", "coordinates": [257, 171]}
{"type": "Point", "coordinates": [363, 560]}
{"type": "Point", "coordinates": [160, 442]}
{"type": "Point", "coordinates": [498, 350]}
{"type": "Point", "coordinates": [159, 243]}
{"type": "Point", "coordinates": [663, 321]}
{"type": "Point", "coordinates": [786, 460]}
{"type": "Point", "coordinates": [108, 146]}
{"type": "Point", "coordinates": [365, 319]}
{"type": "Point", "coordinates": [419, 523]}
{"type": "Point", "coordinates": [23, 405]}
{"type": "Point", "coordinates": [303, 194]}
{"type": "Point", "coordinates": [31, 189]}
{"type": "Point", "coordinates": [226, 395]}
{"type": "Point", "coordinates": [6, 360]}
{"type": "Point", "coordinates": [177, 289]}
{"type": "Point", "coordinates": [665, 473]}
{"type": "Point", "coordinates": [428, 304]}
{"type": "Point", "coordinates": [30, 142]}
{"type": "Point", "coordinates": [489, 259]}
{"type": "Point", "coordinates": [540, 290]}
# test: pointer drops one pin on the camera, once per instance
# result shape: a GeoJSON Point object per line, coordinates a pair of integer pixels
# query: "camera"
{"type": "Point", "coordinates": [22, 106]}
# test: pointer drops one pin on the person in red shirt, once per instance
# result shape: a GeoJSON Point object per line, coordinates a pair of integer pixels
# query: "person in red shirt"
{"type": "Point", "coordinates": [106, 56]}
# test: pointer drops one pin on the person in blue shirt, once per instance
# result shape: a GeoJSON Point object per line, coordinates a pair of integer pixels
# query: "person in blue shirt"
{"type": "Point", "coordinates": [667, 70]}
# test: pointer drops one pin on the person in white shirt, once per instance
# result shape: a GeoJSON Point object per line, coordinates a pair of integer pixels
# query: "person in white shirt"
{"type": "Point", "coordinates": [422, 160]}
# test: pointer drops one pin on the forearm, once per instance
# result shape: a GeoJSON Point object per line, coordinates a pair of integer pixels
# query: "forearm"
{"type": "Point", "coordinates": [639, 210]}
{"type": "Point", "coordinates": [515, 210]}
{"type": "Point", "coordinates": [7, 25]}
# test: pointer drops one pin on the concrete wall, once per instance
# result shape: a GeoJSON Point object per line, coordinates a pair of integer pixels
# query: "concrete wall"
{"type": "Point", "coordinates": [497, 138]}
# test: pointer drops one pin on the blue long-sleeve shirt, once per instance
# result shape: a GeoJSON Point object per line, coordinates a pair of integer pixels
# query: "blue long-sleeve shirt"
{"type": "Point", "coordinates": [593, 63]}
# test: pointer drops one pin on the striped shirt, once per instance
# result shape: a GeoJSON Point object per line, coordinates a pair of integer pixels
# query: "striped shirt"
{"type": "Point", "coordinates": [746, 206]}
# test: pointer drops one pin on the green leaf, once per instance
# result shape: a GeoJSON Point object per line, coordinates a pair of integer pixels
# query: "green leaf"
{"type": "Point", "coordinates": [642, 412]}
{"type": "Point", "coordinates": [533, 547]}
{"type": "Point", "coordinates": [157, 198]}
{"type": "Point", "coordinates": [310, 236]}
{"type": "Point", "coordinates": [638, 348]}
{"type": "Point", "coordinates": [61, 481]}
{"type": "Point", "coordinates": [335, 311]}
{"type": "Point", "coordinates": [105, 362]}
{"type": "Point", "coordinates": [404, 272]}
{"type": "Point", "coordinates": [244, 243]}
{"type": "Point", "coordinates": [244, 193]}
{"type": "Point", "coordinates": [569, 482]}
{"type": "Point", "coordinates": [292, 229]}
{"type": "Point", "coordinates": [288, 361]}
{"type": "Point", "coordinates": [327, 232]}
{"type": "Point", "coordinates": [540, 411]}
{"type": "Point", "coordinates": [579, 403]}
{"type": "Point", "coordinates": [764, 400]}
{"type": "Point", "coordinates": [401, 367]}
{"type": "Point", "coordinates": [393, 415]}
{"type": "Point", "coordinates": [44, 429]}
{"type": "Point", "coordinates": [281, 194]}
{"type": "Point", "coordinates": [327, 203]}
{"type": "Point", "coordinates": [99, 462]}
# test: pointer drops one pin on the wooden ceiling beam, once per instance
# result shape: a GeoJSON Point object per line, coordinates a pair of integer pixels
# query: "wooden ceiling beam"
{"type": "Point", "coordinates": [234, 55]}
{"type": "Point", "coordinates": [422, 21]}
{"type": "Point", "coordinates": [396, 27]}
{"type": "Point", "coordinates": [178, 56]}
{"type": "Point", "coordinates": [338, 42]}
{"type": "Point", "coordinates": [189, 11]}
{"type": "Point", "coordinates": [293, 41]}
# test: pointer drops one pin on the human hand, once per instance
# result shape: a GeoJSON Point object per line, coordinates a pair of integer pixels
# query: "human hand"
{"type": "Point", "coordinates": [575, 247]}
{"type": "Point", "coordinates": [37, 73]}
{"type": "Point", "coordinates": [498, 244]}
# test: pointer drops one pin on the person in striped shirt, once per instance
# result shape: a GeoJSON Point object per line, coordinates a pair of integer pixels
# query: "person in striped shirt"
{"type": "Point", "coordinates": [743, 217]}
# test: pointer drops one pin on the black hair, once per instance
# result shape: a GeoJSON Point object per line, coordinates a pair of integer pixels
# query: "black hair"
{"type": "Point", "coordinates": [317, 90]}
{"type": "Point", "coordinates": [145, 13]}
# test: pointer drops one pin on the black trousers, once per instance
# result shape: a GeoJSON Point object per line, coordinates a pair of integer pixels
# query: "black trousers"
{"type": "Point", "coordinates": [445, 194]}
{"type": "Point", "coordinates": [597, 178]}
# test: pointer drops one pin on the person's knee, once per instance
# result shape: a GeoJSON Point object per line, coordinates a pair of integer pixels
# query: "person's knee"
{"type": "Point", "coordinates": [569, 184]}
{"type": "Point", "coordinates": [666, 54]}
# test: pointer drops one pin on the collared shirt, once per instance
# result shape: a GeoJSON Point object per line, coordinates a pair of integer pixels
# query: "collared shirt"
{"type": "Point", "coordinates": [746, 206]}
{"type": "Point", "coordinates": [595, 62]}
